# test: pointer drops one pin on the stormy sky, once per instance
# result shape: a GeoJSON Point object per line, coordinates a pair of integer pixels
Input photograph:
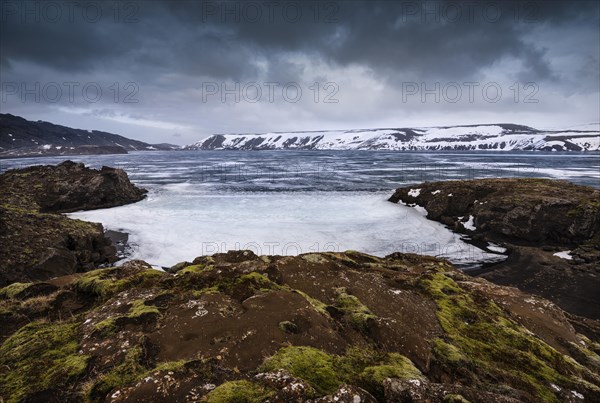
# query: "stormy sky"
{"type": "Point", "coordinates": [178, 71]}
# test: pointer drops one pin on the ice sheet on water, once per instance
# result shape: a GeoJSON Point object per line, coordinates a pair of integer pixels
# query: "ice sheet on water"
{"type": "Point", "coordinates": [173, 226]}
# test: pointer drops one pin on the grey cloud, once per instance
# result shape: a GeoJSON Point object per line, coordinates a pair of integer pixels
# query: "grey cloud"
{"type": "Point", "coordinates": [173, 46]}
{"type": "Point", "coordinates": [389, 37]}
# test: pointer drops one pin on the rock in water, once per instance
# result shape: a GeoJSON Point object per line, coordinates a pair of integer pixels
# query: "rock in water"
{"type": "Point", "coordinates": [550, 228]}
{"type": "Point", "coordinates": [36, 242]}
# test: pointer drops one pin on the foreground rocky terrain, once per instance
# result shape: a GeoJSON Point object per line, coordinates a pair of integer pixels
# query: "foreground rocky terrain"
{"type": "Point", "coordinates": [238, 327]}
{"type": "Point", "coordinates": [550, 228]}
{"type": "Point", "coordinates": [36, 242]}
{"type": "Point", "coordinates": [318, 327]}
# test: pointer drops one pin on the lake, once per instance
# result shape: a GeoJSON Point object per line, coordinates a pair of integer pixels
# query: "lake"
{"type": "Point", "coordinates": [290, 202]}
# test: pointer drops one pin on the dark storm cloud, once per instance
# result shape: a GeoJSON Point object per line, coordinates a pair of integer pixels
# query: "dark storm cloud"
{"type": "Point", "coordinates": [168, 51]}
{"type": "Point", "coordinates": [446, 40]}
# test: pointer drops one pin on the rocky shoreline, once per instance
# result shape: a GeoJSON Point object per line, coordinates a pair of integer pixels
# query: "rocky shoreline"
{"type": "Point", "coordinates": [318, 327]}
{"type": "Point", "coordinates": [50, 151]}
{"type": "Point", "coordinates": [36, 241]}
{"type": "Point", "coordinates": [537, 221]}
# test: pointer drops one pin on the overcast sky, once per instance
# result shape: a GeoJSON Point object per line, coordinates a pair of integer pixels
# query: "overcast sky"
{"type": "Point", "coordinates": [178, 71]}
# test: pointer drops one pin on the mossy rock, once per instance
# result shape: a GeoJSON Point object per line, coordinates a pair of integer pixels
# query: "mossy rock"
{"type": "Point", "coordinates": [105, 283]}
{"type": "Point", "coordinates": [130, 370]}
{"type": "Point", "coordinates": [138, 310]}
{"type": "Point", "coordinates": [13, 290]}
{"type": "Point", "coordinates": [447, 353]}
{"type": "Point", "coordinates": [195, 269]}
{"type": "Point", "coordinates": [318, 306]}
{"type": "Point", "coordinates": [391, 365]}
{"type": "Point", "coordinates": [238, 286]}
{"type": "Point", "coordinates": [480, 335]}
{"type": "Point", "coordinates": [395, 366]}
{"type": "Point", "coordinates": [238, 392]}
{"type": "Point", "coordinates": [359, 315]}
{"type": "Point", "coordinates": [310, 364]}
{"type": "Point", "coordinates": [41, 357]}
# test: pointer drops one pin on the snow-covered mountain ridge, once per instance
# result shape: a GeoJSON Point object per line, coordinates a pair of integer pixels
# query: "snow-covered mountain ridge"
{"type": "Point", "coordinates": [497, 137]}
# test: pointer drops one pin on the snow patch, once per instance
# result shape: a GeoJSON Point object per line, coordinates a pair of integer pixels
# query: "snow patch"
{"type": "Point", "coordinates": [435, 192]}
{"type": "Point", "coordinates": [564, 255]}
{"type": "Point", "coordinates": [470, 224]}
{"type": "Point", "coordinates": [577, 394]}
{"type": "Point", "coordinates": [414, 192]}
{"type": "Point", "coordinates": [496, 248]}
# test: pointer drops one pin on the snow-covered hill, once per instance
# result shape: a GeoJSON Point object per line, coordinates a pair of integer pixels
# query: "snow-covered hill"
{"type": "Point", "coordinates": [500, 137]}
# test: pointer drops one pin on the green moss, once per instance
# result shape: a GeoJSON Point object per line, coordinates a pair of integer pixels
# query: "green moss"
{"type": "Point", "coordinates": [446, 352]}
{"type": "Point", "coordinates": [587, 353]}
{"type": "Point", "coordinates": [239, 392]}
{"type": "Point", "coordinates": [20, 210]}
{"type": "Point", "coordinates": [205, 291]}
{"type": "Point", "coordinates": [483, 336]}
{"type": "Point", "coordinates": [130, 370]}
{"type": "Point", "coordinates": [258, 281]}
{"type": "Point", "coordinates": [368, 368]}
{"type": "Point", "coordinates": [138, 309]}
{"type": "Point", "coordinates": [104, 282]}
{"type": "Point", "coordinates": [356, 359]}
{"type": "Point", "coordinates": [314, 366]}
{"type": "Point", "coordinates": [170, 366]}
{"type": "Point", "coordinates": [230, 285]}
{"type": "Point", "coordinates": [358, 314]}
{"type": "Point", "coordinates": [100, 282]}
{"type": "Point", "coordinates": [106, 327]}
{"type": "Point", "coordinates": [14, 289]}
{"type": "Point", "coordinates": [362, 365]}
{"type": "Point", "coordinates": [315, 303]}
{"type": "Point", "coordinates": [40, 356]}
{"type": "Point", "coordinates": [394, 366]}
{"type": "Point", "coordinates": [195, 268]}
{"type": "Point", "coordinates": [148, 277]}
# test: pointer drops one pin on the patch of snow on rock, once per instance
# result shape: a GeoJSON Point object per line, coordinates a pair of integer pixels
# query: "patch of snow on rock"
{"type": "Point", "coordinates": [564, 255]}
{"type": "Point", "coordinates": [496, 248]}
{"type": "Point", "coordinates": [470, 224]}
{"type": "Point", "coordinates": [414, 192]}
{"type": "Point", "coordinates": [577, 394]}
